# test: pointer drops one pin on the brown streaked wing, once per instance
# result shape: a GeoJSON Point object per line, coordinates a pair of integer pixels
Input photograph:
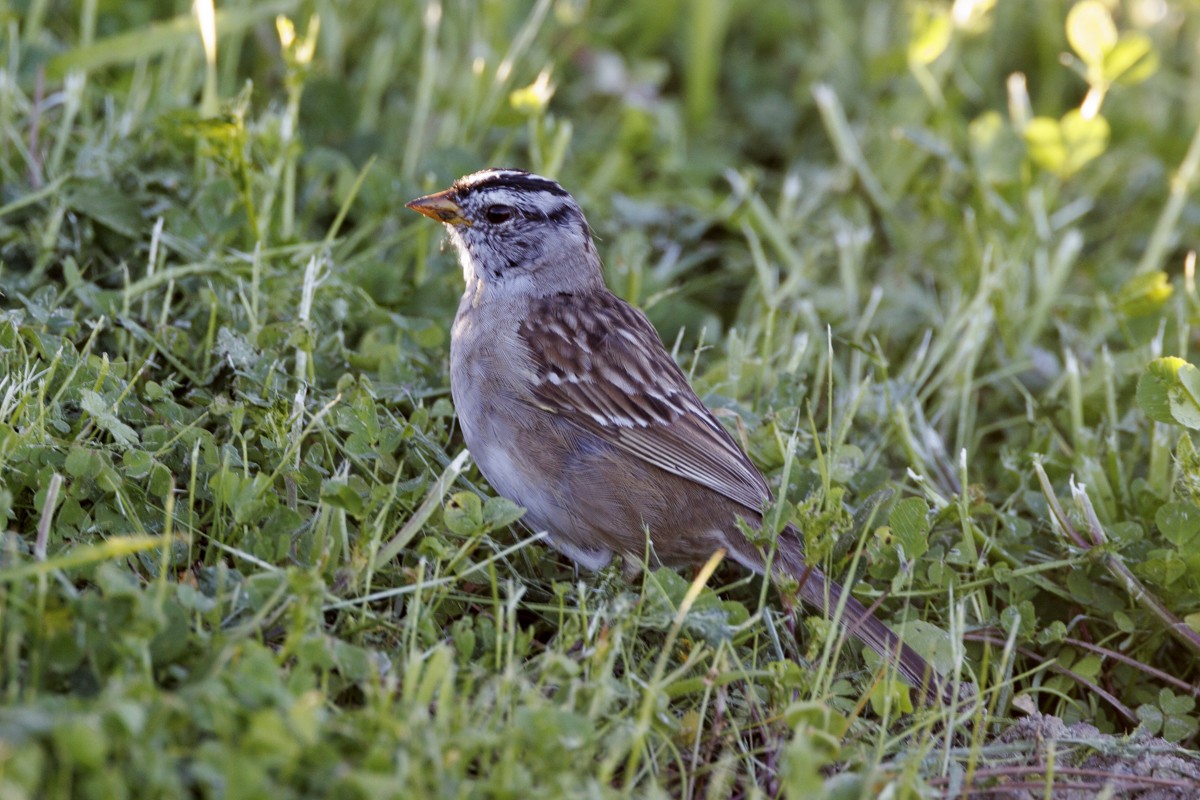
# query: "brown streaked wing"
{"type": "Point", "coordinates": [600, 364]}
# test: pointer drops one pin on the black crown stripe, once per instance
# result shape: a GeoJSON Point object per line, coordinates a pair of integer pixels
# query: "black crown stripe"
{"type": "Point", "coordinates": [516, 179]}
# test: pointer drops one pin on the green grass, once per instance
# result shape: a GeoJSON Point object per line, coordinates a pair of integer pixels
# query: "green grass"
{"type": "Point", "coordinates": [242, 553]}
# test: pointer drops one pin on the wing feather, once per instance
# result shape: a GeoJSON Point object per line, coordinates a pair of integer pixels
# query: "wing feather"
{"type": "Point", "coordinates": [600, 364]}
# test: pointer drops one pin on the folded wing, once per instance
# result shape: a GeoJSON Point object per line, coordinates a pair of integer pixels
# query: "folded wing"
{"type": "Point", "coordinates": [601, 365]}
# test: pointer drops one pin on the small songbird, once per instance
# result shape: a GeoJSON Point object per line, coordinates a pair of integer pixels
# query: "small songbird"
{"type": "Point", "coordinates": [572, 408]}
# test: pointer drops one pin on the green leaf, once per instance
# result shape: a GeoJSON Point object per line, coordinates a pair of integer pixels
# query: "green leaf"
{"type": "Point", "coordinates": [161, 483]}
{"type": "Point", "coordinates": [996, 149]}
{"type": "Point", "coordinates": [533, 99]}
{"type": "Point", "coordinates": [665, 592]}
{"type": "Point", "coordinates": [462, 634]}
{"type": "Point", "coordinates": [1132, 60]}
{"type": "Point", "coordinates": [1177, 725]}
{"type": "Point", "coordinates": [192, 599]}
{"type": "Point", "coordinates": [463, 514]}
{"type": "Point", "coordinates": [552, 728]}
{"type": "Point", "coordinates": [812, 713]}
{"type": "Point", "coordinates": [909, 521]}
{"type": "Point", "coordinates": [1145, 294]}
{"type": "Point", "coordinates": [1043, 138]}
{"type": "Point", "coordinates": [103, 416]}
{"type": "Point", "coordinates": [83, 463]}
{"type": "Point", "coordinates": [1151, 718]}
{"type": "Point", "coordinates": [1172, 703]}
{"type": "Point", "coordinates": [112, 208]}
{"type": "Point", "coordinates": [137, 463]}
{"type": "Point", "coordinates": [1185, 400]}
{"type": "Point", "coordinates": [357, 663]}
{"type": "Point", "coordinates": [1091, 32]}
{"type": "Point", "coordinates": [1162, 567]}
{"type": "Point", "coordinates": [235, 348]}
{"type": "Point", "coordinates": [81, 741]}
{"type": "Point", "coordinates": [845, 462]}
{"type": "Point", "coordinates": [1179, 522]}
{"type": "Point", "coordinates": [1176, 729]}
{"type": "Point", "coordinates": [245, 496]}
{"type": "Point", "coordinates": [1169, 391]}
{"type": "Point", "coordinates": [1153, 389]}
{"type": "Point", "coordinates": [803, 767]}
{"type": "Point", "coordinates": [891, 694]}
{"type": "Point", "coordinates": [1056, 631]}
{"type": "Point", "coordinates": [500, 511]}
{"type": "Point", "coordinates": [1065, 145]}
{"type": "Point", "coordinates": [438, 669]}
{"type": "Point", "coordinates": [1085, 138]}
{"type": "Point", "coordinates": [338, 493]}
{"type": "Point", "coordinates": [708, 624]}
{"type": "Point", "coordinates": [932, 29]}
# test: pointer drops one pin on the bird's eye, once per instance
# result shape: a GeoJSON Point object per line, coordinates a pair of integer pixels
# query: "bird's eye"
{"type": "Point", "coordinates": [498, 213]}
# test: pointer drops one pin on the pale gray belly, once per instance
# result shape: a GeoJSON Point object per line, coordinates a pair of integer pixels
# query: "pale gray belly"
{"type": "Point", "coordinates": [516, 449]}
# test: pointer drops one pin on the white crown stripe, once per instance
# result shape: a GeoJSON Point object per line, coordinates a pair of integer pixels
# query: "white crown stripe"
{"type": "Point", "coordinates": [476, 178]}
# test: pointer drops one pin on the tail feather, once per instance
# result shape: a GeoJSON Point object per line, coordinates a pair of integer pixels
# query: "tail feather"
{"type": "Point", "coordinates": [857, 620]}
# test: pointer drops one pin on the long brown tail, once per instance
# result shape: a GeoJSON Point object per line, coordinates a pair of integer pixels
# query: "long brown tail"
{"type": "Point", "coordinates": [827, 595]}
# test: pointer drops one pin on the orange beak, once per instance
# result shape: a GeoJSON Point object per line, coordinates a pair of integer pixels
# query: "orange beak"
{"type": "Point", "coordinates": [441, 207]}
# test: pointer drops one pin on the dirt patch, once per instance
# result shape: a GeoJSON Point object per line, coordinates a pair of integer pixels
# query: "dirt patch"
{"type": "Point", "coordinates": [1081, 763]}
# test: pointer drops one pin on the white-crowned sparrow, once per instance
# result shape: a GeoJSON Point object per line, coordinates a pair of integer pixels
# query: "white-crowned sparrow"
{"type": "Point", "coordinates": [572, 408]}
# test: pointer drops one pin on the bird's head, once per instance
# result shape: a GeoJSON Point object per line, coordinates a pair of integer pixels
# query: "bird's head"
{"type": "Point", "coordinates": [516, 232]}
